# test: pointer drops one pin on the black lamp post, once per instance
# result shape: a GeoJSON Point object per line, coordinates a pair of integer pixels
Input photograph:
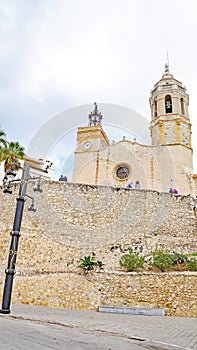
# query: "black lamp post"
{"type": "Point", "coordinates": [15, 234]}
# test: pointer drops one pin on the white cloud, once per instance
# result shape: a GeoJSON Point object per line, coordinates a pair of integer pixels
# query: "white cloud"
{"type": "Point", "coordinates": [58, 54]}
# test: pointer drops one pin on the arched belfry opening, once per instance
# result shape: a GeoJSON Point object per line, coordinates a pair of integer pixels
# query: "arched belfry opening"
{"type": "Point", "coordinates": [168, 104]}
{"type": "Point", "coordinates": [182, 106]}
{"type": "Point", "coordinates": [155, 108]}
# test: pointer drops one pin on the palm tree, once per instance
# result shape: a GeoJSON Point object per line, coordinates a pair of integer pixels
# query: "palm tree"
{"type": "Point", "coordinates": [2, 137]}
{"type": "Point", "coordinates": [11, 152]}
{"type": "Point", "coordinates": [2, 141]}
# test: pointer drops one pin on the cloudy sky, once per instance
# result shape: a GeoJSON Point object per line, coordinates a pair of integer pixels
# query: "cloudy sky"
{"type": "Point", "coordinates": [58, 54]}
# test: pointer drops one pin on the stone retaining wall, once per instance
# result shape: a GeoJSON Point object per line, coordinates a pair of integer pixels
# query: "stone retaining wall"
{"type": "Point", "coordinates": [74, 220]}
{"type": "Point", "coordinates": [175, 292]}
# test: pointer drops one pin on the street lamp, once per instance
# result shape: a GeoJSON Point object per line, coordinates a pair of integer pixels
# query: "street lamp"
{"type": "Point", "coordinates": [38, 188]}
{"type": "Point", "coordinates": [15, 234]}
{"type": "Point", "coordinates": [8, 190]}
{"type": "Point", "coordinates": [11, 174]}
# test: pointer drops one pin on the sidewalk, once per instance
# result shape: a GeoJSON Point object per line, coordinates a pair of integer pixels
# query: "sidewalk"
{"type": "Point", "coordinates": [161, 331]}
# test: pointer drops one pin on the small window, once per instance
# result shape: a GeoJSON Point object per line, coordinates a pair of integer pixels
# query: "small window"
{"type": "Point", "coordinates": [168, 104]}
{"type": "Point", "coordinates": [182, 106]}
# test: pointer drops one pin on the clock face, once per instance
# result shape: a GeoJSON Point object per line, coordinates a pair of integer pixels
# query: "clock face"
{"type": "Point", "coordinates": [87, 145]}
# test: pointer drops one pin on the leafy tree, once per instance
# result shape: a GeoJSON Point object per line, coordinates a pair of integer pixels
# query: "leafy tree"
{"type": "Point", "coordinates": [2, 142]}
{"type": "Point", "coordinates": [48, 164]}
{"type": "Point", "coordinates": [131, 261]}
{"type": "Point", "coordinates": [10, 153]}
{"type": "Point", "coordinates": [2, 138]}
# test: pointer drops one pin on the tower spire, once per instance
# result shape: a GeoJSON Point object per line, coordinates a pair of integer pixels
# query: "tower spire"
{"type": "Point", "coordinates": [95, 117]}
{"type": "Point", "coordinates": [167, 64]}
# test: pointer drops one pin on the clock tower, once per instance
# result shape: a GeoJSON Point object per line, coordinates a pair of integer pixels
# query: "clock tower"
{"type": "Point", "coordinates": [91, 140]}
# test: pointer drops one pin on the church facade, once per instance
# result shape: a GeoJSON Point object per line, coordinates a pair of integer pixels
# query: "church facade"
{"type": "Point", "coordinates": [165, 165]}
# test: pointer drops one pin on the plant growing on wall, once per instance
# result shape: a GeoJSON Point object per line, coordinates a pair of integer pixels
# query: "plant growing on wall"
{"type": "Point", "coordinates": [192, 264]}
{"type": "Point", "coordinates": [192, 254]}
{"type": "Point", "coordinates": [88, 263]}
{"type": "Point", "coordinates": [161, 259]}
{"type": "Point", "coordinates": [131, 261]}
{"type": "Point", "coordinates": [178, 258]}
{"type": "Point", "coordinates": [99, 263]}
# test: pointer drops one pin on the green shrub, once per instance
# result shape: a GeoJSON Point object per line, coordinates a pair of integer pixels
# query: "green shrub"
{"type": "Point", "coordinates": [162, 260]}
{"type": "Point", "coordinates": [178, 258]}
{"type": "Point", "coordinates": [131, 261]}
{"type": "Point", "coordinates": [192, 254]}
{"type": "Point", "coordinates": [192, 264]}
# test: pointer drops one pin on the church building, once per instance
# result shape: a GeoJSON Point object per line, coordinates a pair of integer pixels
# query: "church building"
{"type": "Point", "coordinates": [165, 165]}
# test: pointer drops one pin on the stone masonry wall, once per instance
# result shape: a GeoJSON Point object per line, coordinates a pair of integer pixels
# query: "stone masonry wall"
{"type": "Point", "coordinates": [74, 220]}
{"type": "Point", "coordinates": [175, 292]}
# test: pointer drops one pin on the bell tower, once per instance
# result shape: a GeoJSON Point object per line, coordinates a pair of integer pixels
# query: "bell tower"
{"type": "Point", "coordinates": [170, 123]}
{"type": "Point", "coordinates": [91, 140]}
{"type": "Point", "coordinates": [92, 137]}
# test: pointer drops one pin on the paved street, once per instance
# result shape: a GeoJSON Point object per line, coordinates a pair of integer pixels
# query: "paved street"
{"type": "Point", "coordinates": [40, 328]}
